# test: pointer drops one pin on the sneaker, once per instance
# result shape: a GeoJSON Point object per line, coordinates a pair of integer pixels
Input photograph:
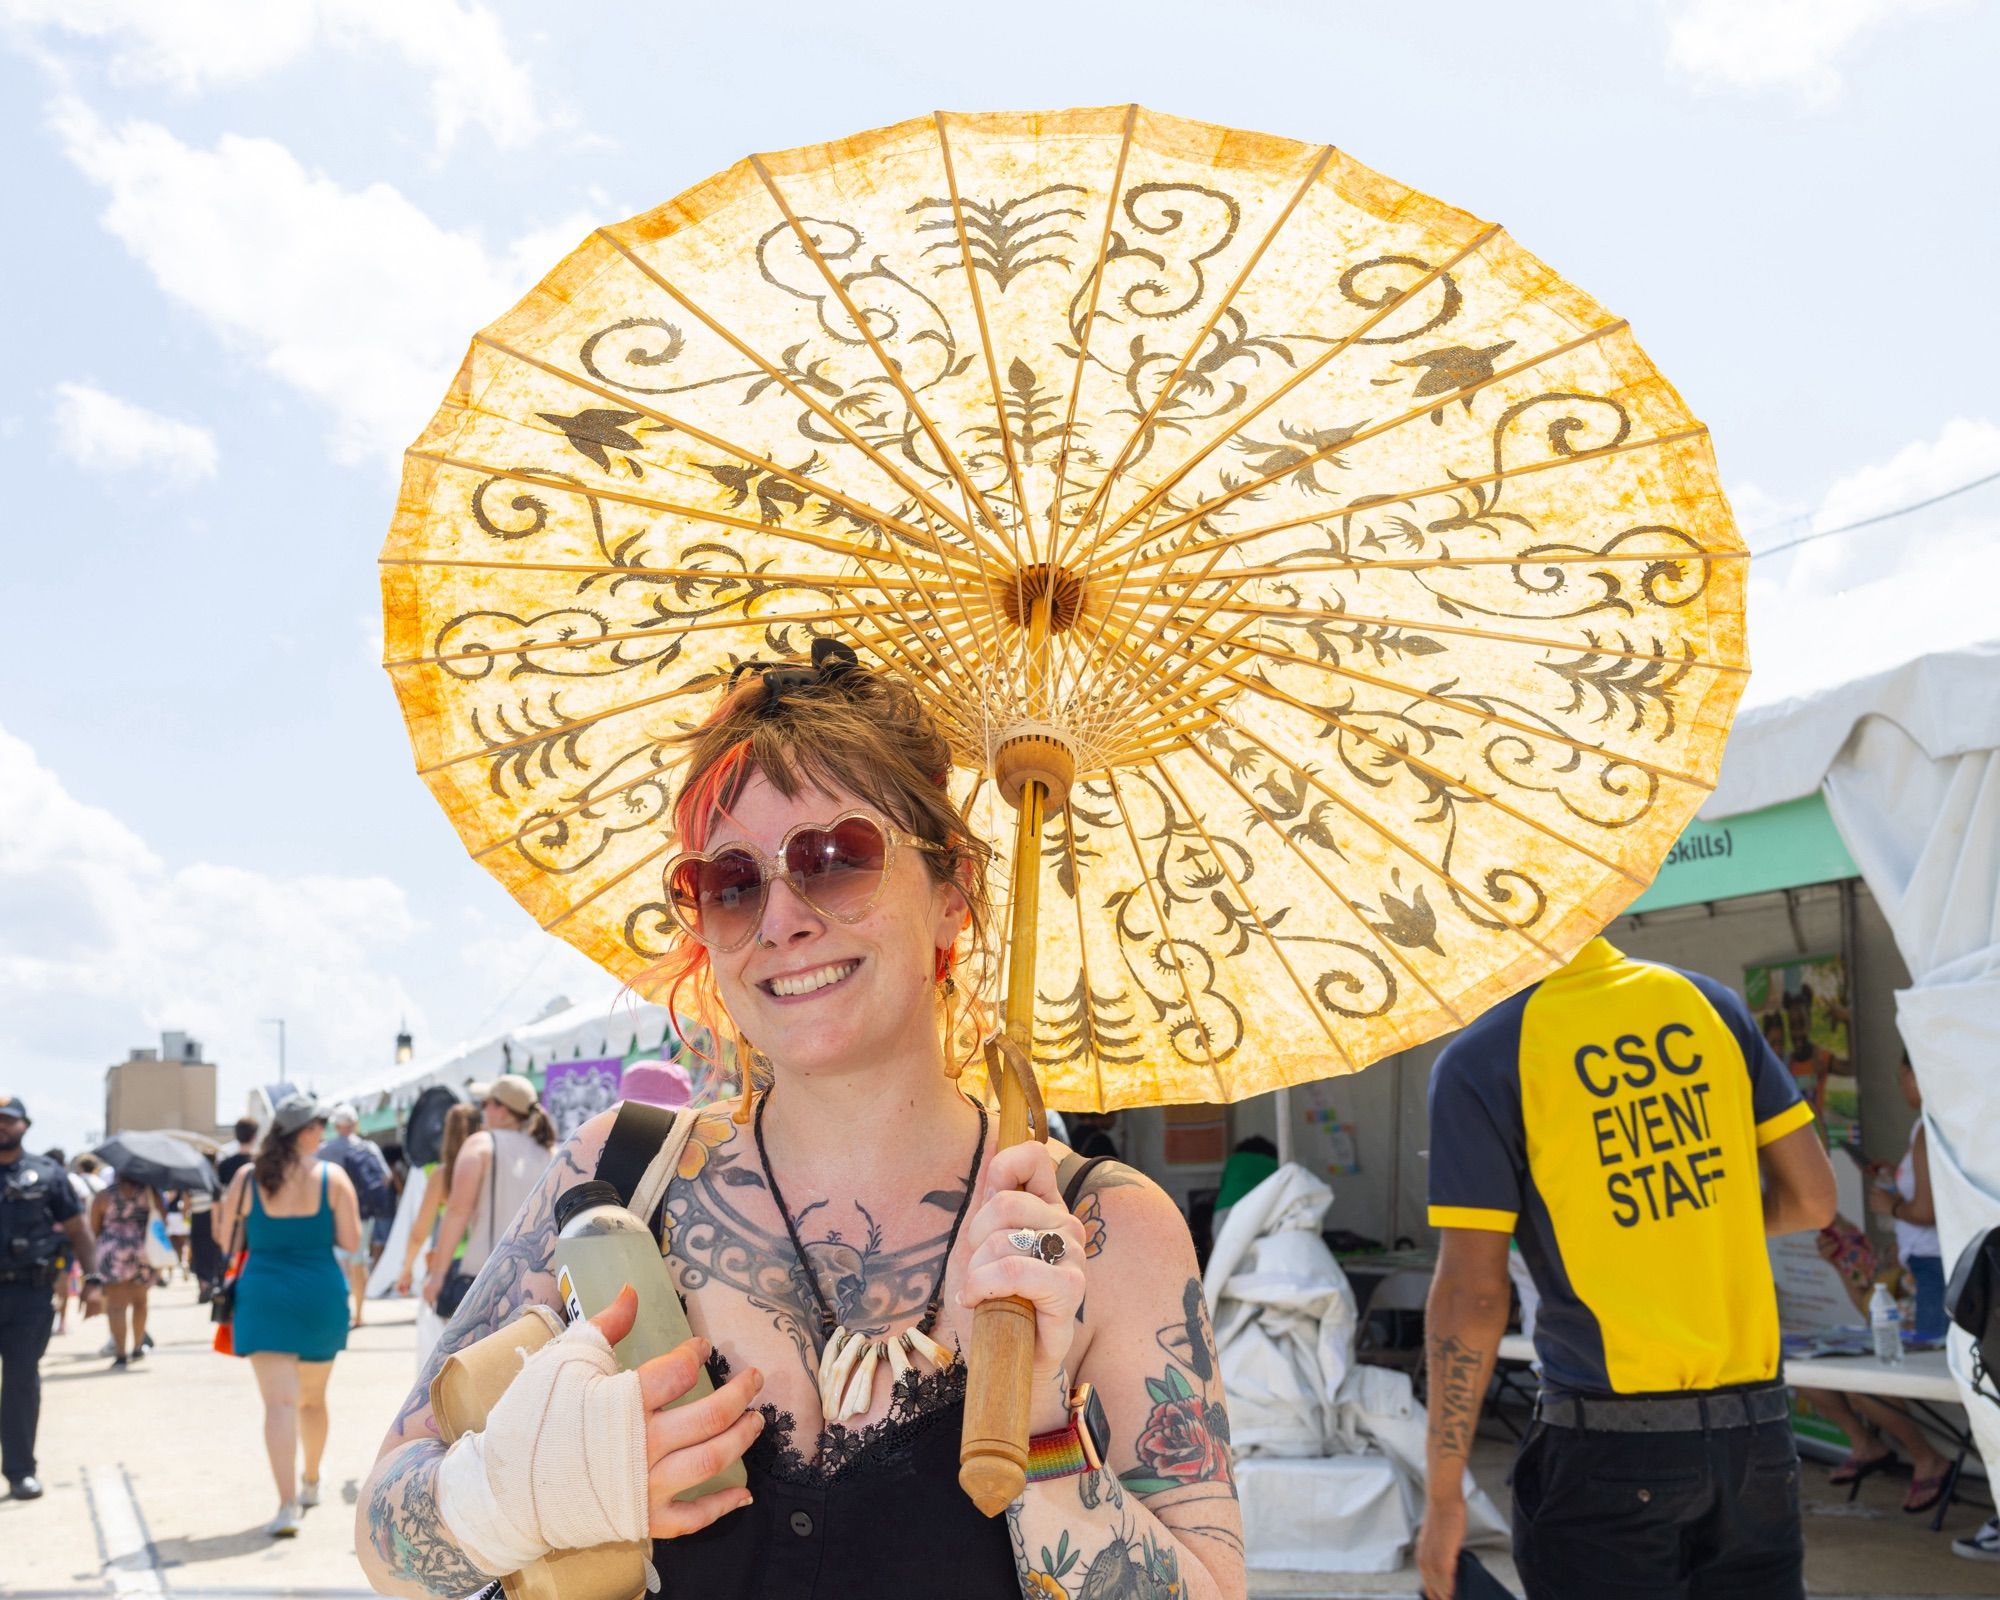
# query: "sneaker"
{"type": "Point", "coordinates": [120, 1362]}
{"type": "Point", "coordinates": [308, 1495]}
{"type": "Point", "coordinates": [27, 1488]}
{"type": "Point", "coordinates": [1983, 1545]}
{"type": "Point", "coordinates": [139, 1354]}
{"type": "Point", "coordinates": [285, 1525]}
{"type": "Point", "coordinates": [145, 1341]}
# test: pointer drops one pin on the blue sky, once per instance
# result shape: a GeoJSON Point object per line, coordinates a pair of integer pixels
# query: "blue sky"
{"type": "Point", "coordinates": [248, 242]}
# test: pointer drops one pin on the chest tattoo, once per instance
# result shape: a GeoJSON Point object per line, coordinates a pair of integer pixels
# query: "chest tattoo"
{"type": "Point", "coordinates": [870, 1285]}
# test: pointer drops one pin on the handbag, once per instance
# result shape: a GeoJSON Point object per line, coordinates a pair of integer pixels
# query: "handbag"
{"type": "Point", "coordinates": [159, 1249]}
{"type": "Point", "coordinates": [472, 1380]}
{"type": "Point", "coordinates": [452, 1292]}
{"type": "Point", "coordinates": [222, 1303]}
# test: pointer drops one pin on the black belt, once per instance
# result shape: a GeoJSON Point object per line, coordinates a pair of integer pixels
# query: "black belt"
{"type": "Point", "coordinates": [1682, 1413]}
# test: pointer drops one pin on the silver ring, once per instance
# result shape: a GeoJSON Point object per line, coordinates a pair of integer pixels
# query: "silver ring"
{"type": "Point", "coordinates": [1050, 1246]}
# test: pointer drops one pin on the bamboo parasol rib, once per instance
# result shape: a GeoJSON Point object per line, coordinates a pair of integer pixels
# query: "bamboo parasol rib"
{"type": "Point", "coordinates": [1111, 192]}
{"type": "Point", "coordinates": [1347, 606]}
{"type": "Point", "coordinates": [1095, 505]}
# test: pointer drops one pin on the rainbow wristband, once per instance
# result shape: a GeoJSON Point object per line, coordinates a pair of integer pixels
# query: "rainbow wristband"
{"type": "Point", "coordinates": [1057, 1455]}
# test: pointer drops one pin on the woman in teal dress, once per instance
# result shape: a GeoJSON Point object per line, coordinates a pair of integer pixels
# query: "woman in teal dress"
{"type": "Point", "coordinates": [290, 1210]}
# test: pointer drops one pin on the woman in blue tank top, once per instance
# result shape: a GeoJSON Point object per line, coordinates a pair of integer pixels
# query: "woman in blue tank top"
{"type": "Point", "coordinates": [833, 1237]}
{"type": "Point", "coordinates": [290, 1210]}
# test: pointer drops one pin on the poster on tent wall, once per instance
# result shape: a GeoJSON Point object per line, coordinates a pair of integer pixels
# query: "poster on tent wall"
{"type": "Point", "coordinates": [1801, 1006]}
{"type": "Point", "coordinates": [575, 1091]}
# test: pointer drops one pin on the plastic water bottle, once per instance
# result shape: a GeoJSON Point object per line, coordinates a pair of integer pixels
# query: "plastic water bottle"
{"type": "Point", "coordinates": [1885, 1322]}
{"type": "Point", "coordinates": [601, 1247]}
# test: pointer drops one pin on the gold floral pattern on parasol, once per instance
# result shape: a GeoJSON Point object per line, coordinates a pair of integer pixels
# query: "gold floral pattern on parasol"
{"type": "Point", "coordinates": [1381, 591]}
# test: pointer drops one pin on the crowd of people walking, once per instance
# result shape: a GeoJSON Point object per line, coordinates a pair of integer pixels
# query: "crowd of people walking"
{"type": "Point", "coordinates": [280, 1231]}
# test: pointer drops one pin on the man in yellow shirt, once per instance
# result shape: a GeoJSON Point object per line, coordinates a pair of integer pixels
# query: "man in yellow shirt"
{"type": "Point", "coordinates": [1629, 1126]}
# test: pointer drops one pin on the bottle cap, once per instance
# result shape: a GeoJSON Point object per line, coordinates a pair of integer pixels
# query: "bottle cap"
{"type": "Point", "coordinates": [584, 1197]}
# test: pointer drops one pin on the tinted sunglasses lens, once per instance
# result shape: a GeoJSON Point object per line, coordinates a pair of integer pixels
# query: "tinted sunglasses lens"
{"type": "Point", "coordinates": [719, 900]}
{"type": "Point", "coordinates": [838, 869]}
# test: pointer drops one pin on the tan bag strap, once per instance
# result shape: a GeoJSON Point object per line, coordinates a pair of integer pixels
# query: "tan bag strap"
{"type": "Point", "coordinates": [659, 1171]}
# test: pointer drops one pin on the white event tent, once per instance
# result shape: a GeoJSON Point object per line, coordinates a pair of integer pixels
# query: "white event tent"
{"type": "Point", "coordinates": [1909, 759]}
{"type": "Point", "coordinates": [617, 1023]}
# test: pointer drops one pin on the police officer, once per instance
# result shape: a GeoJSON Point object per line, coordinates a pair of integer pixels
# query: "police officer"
{"type": "Point", "coordinates": [1630, 1128]}
{"type": "Point", "coordinates": [38, 1208]}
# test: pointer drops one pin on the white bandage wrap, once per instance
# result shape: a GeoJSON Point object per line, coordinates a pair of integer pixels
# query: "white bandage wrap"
{"type": "Point", "coordinates": [560, 1465]}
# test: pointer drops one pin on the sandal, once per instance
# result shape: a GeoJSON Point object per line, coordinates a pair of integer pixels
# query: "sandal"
{"type": "Point", "coordinates": [1925, 1492]}
{"type": "Point", "coordinates": [1853, 1470]}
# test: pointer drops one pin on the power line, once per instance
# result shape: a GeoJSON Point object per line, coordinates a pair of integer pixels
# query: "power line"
{"type": "Point", "coordinates": [1880, 516]}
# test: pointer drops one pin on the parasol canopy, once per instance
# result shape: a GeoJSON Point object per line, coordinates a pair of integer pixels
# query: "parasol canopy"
{"type": "Point", "coordinates": [1379, 591]}
{"type": "Point", "coordinates": [157, 1160]}
{"type": "Point", "coordinates": [423, 1130]}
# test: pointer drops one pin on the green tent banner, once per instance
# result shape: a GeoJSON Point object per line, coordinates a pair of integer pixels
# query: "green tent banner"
{"type": "Point", "coordinates": [1784, 846]}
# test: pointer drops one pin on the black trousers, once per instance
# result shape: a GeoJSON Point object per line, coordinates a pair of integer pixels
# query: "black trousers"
{"type": "Point", "coordinates": [27, 1315]}
{"type": "Point", "coordinates": [1659, 1516]}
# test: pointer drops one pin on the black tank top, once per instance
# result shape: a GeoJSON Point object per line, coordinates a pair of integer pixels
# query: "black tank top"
{"type": "Point", "coordinates": [877, 1513]}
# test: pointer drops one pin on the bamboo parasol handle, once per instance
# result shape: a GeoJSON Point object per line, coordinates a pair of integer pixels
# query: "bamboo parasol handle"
{"type": "Point", "coordinates": [993, 1449]}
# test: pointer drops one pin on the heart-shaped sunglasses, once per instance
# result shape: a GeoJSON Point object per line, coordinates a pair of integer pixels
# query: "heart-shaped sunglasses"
{"type": "Point", "coordinates": [837, 868]}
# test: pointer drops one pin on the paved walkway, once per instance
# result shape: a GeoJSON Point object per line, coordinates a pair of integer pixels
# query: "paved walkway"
{"type": "Point", "coordinates": [157, 1486]}
{"type": "Point", "coordinates": [156, 1477]}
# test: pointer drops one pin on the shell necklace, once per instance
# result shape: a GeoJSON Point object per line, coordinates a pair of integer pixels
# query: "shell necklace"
{"type": "Point", "coordinates": [848, 1361]}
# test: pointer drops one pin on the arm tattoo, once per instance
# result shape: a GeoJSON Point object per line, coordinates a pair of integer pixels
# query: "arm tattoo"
{"type": "Point", "coordinates": [520, 1270]}
{"type": "Point", "coordinates": [1096, 1488]}
{"type": "Point", "coordinates": [1185, 1437]}
{"type": "Point", "coordinates": [1023, 1568]}
{"type": "Point", "coordinates": [1454, 1393]}
{"type": "Point", "coordinates": [1090, 1212]}
{"type": "Point", "coordinates": [406, 1531]}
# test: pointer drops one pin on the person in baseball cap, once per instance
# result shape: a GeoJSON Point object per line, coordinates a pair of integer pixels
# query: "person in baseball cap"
{"type": "Point", "coordinates": [375, 1192]}
{"type": "Point", "coordinates": [39, 1211]}
{"type": "Point", "coordinates": [294, 1112]}
{"type": "Point", "coordinates": [506, 1159]}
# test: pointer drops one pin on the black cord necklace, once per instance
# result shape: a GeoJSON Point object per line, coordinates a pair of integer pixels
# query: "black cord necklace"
{"type": "Point", "coordinates": [848, 1360]}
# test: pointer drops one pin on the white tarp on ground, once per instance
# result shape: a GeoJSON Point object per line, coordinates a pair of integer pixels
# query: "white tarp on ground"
{"type": "Point", "coordinates": [1330, 1454]}
{"type": "Point", "coordinates": [1910, 760]}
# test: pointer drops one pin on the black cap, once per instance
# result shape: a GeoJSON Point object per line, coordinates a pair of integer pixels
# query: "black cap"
{"type": "Point", "coordinates": [595, 1192]}
{"type": "Point", "coordinates": [10, 1106]}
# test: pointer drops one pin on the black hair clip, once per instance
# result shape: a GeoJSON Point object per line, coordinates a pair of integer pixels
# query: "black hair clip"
{"type": "Point", "coordinates": [832, 660]}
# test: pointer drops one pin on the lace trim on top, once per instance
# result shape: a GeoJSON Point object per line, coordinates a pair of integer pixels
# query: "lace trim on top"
{"type": "Point", "coordinates": [921, 1403]}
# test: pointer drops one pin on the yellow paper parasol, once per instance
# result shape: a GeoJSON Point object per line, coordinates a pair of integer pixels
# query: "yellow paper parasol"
{"type": "Point", "coordinates": [1353, 595]}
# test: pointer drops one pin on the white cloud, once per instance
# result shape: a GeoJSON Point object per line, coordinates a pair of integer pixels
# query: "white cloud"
{"type": "Point", "coordinates": [1967, 448]}
{"type": "Point", "coordinates": [1863, 601]}
{"type": "Point", "coordinates": [192, 45]}
{"type": "Point", "coordinates": [354, 297]}
{"type": "Point", "coordinates": [103, 944]}
{"type": "Point", "coordinates": [1787, 45]}
{"type": "Point", "coordinates": [102, 433]}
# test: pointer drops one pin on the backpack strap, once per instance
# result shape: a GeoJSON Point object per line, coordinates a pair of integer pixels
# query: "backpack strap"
{"type": "Point", "coordinates": [640, 1154]}
{"type": "Point", "coordinates": [649, 1200]}
{"type": "Point", "coordinates": [636, 1134]}
{"type": "Point", "coordinates": [1073, 1173]}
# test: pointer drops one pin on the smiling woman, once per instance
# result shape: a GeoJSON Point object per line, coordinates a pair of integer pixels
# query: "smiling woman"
{"type": "Point", "coordinates": [833, 1234]}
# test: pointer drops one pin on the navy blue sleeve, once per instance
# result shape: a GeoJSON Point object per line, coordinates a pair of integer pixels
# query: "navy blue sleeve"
{"type": "Point", "coordinates": [1773, 1090]}
{"type": "Point", "coordinates": [1478, 1149]}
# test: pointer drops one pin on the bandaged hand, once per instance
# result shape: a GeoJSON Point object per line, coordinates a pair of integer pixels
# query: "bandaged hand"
{"type": "Point", "coordinates": [577, 1454]}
